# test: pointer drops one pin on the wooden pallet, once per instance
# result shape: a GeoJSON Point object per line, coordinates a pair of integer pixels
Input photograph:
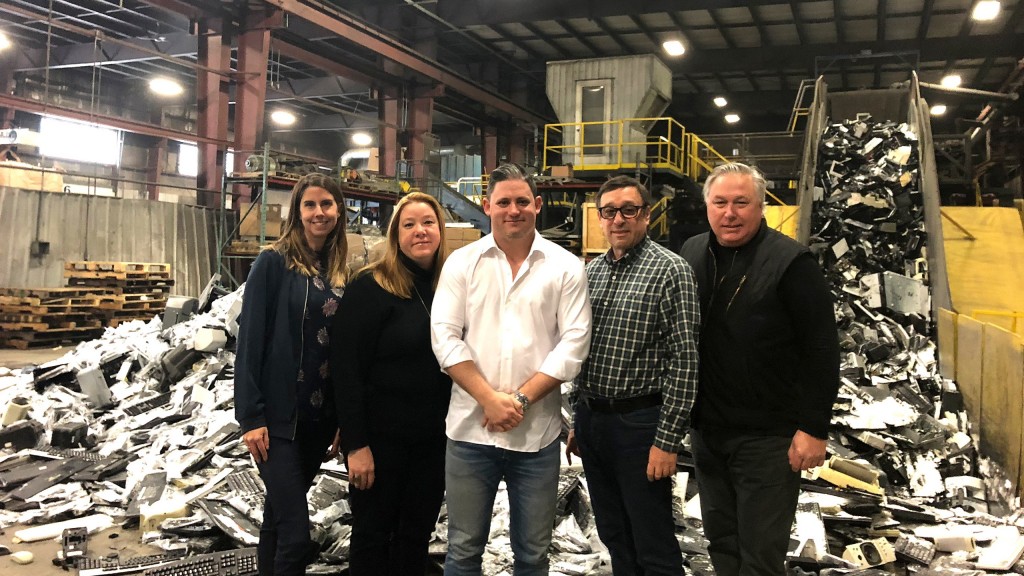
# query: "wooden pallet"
{"type": "Point", "coordinates": [47, 293]}
{"type": "Point", "coordinates": [25, 339]}
{"type": "Point", "coordinates": [133, 305]}
{"type": "Point", "coordinates": [48, 324]}
{"type": "Point", "coordinates": [112, 284]}
{"type": "Point", "coordinates": [133, 267]}
{"type": "Point", "coordinates": [42, 323]}
{"type": "Point", "coordinates": [114, 275]}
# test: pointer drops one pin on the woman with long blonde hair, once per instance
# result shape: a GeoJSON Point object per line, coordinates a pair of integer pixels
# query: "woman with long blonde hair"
{"type": "Point", "coordinates": [392, 395]}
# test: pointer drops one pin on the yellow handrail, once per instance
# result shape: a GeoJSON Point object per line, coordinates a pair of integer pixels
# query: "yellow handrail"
{"type": "Point", "coordinates": [1014, 316]}
{"type": "Point", "coordinates": [640, 143]}
{"type": "Point", "coordinates": [658, 228]}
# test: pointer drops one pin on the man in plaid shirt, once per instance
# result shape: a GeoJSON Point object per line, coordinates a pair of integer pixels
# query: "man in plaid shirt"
{"type": "Point", "coordinates": [634, 392]}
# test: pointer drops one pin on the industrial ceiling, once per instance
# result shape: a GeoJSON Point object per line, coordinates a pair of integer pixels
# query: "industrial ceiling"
{"type": "Point", "coordinates": [330, 59]}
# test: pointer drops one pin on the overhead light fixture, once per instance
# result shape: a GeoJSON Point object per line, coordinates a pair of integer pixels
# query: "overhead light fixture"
{"type": "Point", "coordinates": [986, 10]}
{"type": "Point", "coordinates": [165, 86]}
{"type": "Point", "coordinates": [362, 139]}
{"type": "Point", "coordinates": [5, 42]}
{"type": "Point", "coordinates": [282, 117]}
{"type": "Point", "coordinates": [720, 102]}
{"type": "Point", "coordinates": [951, 81]}
{"type": "Point", "coordinates": [674, 48]}
{"type": "Point", "coordinates": [938, 110]}
{"type": "Point", "coordinates": [732, 118]}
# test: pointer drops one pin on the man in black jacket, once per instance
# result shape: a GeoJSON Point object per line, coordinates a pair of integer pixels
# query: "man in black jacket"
{"type": "Point", "coordinates": [769, 373]}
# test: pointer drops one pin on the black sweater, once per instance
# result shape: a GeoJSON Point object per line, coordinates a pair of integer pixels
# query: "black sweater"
{"type": "Point", "coordinates": [388, 385]}
{"type": "Point", "coordinates": [768, 345]}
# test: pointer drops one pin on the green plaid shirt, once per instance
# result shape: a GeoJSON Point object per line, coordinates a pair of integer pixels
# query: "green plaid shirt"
{"type": "Point", "coordinates": [646, 318]}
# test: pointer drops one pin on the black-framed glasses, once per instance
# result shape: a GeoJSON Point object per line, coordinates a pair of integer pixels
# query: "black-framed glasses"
{"type": "Point", "coordinates": [628, 211]}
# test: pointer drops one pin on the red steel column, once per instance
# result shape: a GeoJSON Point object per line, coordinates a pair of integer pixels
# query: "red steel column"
{"type": "Point", "coordinates": [490, 149]}
{"type": "Point", "coordinates": [212, 102]}
{"type": "Point", "coordinates": [388, 141]}
{"type": "Point", "coordinates": [517, 140]}
{"type": "Point", "coordinates": [421, 110]}
{"type": "Point", "coordinates": [154, 167]}
{"type": "Point", "coordinates": [251, 86]}
{"type": "Point", "coordinates": [7, 85]}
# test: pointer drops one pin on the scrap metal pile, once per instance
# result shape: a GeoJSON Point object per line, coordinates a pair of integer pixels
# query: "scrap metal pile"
{"type": "Point", "coordinates": [905, 481]}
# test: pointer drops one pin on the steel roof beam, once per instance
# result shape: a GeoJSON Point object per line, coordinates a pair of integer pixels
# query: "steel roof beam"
{"type": "Point", "coordinates": [44, 109]}
{"type": "Point", "coordinates": [389, 48]}
{"type": "Point", "coordinates": [85, 54]}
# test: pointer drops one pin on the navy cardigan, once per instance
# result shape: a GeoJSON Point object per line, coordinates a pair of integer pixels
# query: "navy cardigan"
{"type": "Point", "coordinates": [269, 350]}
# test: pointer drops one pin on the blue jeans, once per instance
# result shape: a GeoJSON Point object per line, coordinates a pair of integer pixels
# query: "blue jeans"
{"type": "Point", "coordinates": [472, 474]}
{"type": "Point", "coordinates": [633, 514]}
{"type": "Point", "coordinates": [748, 498]}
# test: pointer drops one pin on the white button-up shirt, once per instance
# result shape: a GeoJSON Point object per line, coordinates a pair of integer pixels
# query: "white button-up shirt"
{"type": "Point", "coordinates": [511, 328]}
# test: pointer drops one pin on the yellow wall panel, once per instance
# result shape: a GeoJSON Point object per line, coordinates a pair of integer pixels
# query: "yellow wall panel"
{"type": "Point", "coordinates": [1002, 398]}
{"type": "Point", "coordinates": [782, 218]}
{"type": "Point", "coordinates": [986, 272]}
{"type": "Point", "coordinates": [969, 347]}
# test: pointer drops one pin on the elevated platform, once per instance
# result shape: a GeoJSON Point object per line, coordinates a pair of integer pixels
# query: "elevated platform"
{"type": "Point", "coordinates": [649, 145]}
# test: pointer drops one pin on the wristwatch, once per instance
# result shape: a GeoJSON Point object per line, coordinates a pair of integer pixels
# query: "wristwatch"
{"type": "Point", "coordinates": [522, 399]}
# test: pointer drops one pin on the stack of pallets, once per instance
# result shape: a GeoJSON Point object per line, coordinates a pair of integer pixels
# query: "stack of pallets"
{"type": "Point", "coordinates": [36, 317]}
{"type": "Point", "coordinates": [123, 290]}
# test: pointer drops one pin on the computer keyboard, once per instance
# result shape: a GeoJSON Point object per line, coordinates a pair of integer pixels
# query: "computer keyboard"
{"type": "Point", "coordinates": [111, 566]}
{"type": "Point", "coordinates": [241, 562]}
{"type": "Point", "coordinates": [246, 482]}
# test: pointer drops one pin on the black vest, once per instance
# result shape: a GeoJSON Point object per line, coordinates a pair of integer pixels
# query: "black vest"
{"type": "Point", "coordinates": [748, 352]}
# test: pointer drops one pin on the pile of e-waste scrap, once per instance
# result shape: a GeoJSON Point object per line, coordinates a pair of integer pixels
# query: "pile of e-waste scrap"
{"type": "Point", "coordinates": [904, 482]}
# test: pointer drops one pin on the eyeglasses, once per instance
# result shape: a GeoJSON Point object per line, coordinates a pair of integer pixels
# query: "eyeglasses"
{"type": "Point", "coordinates": [628, 211]}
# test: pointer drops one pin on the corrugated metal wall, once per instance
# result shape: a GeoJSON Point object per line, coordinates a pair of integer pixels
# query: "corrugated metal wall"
{"type": "Point", "coordinates": [632, 77]}
{"type": "Point", "coordinates": [629, 78]}
{"type": "Point", "coordinates": [96, 228]}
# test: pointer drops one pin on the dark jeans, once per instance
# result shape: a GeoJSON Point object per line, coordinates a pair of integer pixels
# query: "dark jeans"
{"type": "Point", "coordinates": [748, 496]}
{"type": "Point", "coordinates": [285, 548]}
{"type": "Point", "coordinates": [633, 515]}
{"type": "Point", "coordinates": [392, 521]}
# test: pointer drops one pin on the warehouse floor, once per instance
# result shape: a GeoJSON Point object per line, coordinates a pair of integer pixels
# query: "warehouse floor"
{"type": "Point", "coordinates": [12, 358]}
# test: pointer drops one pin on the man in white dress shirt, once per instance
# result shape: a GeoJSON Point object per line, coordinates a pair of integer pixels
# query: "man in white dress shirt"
{"type": "Point", "coordinates": [510, 322]}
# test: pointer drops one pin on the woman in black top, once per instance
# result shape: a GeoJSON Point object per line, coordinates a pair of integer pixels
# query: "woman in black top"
{"type": "Point", "coordinates": [392, 395]}
{"type": "Point", "coordinates": [283, 394]}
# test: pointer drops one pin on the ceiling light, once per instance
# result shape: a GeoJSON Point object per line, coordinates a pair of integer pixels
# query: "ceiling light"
{"type": "Point", "coordinates": [720, 102]}
{"type": "Point", "coordinates": [732, 118]}
{"type": "Point", "coordinates": [5, 42]}
{"type": "Point", "coordinates": [282, 117]}
{"type": "Point", "coordinates": [674, 48]}
{"type": "Point", "coordinates": [362, 139]}
{"type": "Point", "coordinates": [938, 110]}
{"type": "Point", "coordinates": [951, 81]}
{"type": "Point", "coordinates": [986, 10]}
{"type": "Point", "coordinates": [165, 86]}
